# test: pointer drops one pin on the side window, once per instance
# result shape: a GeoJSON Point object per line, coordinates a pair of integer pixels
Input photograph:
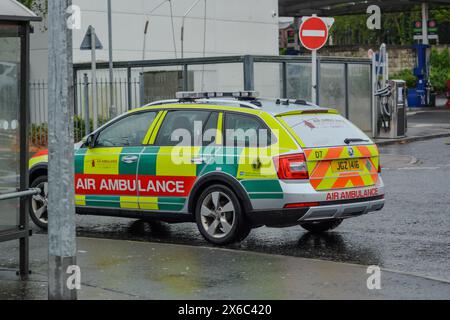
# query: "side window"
{"type": "Point", "coordinates": [243, 130]}
{"type": "Point", "coordinates": [129, 131]}
{"type": "Point", "coordinates": [182, 128]}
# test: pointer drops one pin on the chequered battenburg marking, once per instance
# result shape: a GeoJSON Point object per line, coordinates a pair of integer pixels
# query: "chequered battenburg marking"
{"type": "Point", "coordinates": [322, 176]}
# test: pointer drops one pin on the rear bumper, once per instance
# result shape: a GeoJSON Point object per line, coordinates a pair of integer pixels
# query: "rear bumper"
{"type": "Point", "coordinates": [325, 211]}
{"type": "Point", "coordinates": [343, 210]}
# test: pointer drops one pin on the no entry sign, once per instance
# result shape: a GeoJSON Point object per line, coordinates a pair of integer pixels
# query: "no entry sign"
{"type": "Point", "coordinates": [313, 33]}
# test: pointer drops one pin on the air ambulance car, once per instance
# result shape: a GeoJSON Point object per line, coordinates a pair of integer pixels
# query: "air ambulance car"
{"type": "Point", "coordinates": [228, 161]}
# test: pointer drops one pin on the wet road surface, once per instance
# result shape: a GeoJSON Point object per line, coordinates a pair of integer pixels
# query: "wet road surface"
{"type": "Point", "coordinates": [411, 234]}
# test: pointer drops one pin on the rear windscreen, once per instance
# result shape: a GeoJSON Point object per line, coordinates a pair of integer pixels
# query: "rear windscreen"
{"type": "Point", "coordinates": [324, 130]}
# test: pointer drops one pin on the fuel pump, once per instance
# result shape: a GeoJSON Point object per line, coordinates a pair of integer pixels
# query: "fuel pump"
{"type": "Point", "coordinates": [390, 98]}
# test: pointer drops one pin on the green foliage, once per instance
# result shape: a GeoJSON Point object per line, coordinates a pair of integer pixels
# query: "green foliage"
{"type": "Point", "coordinates": [396, 28]}
{"type": "Point", "coordinates": [440, 69]}
{"type": "Point", "coordinates": [40, 7]}
{"type": "Point", "coordinates": [439, 72]}
{"type": "Point", "coordinates": [39, 132]}
{"type": "Point", "coordinates": [27, 3]}
{"type": "Point", "coordinates": [79, 127]}
{"type": "Point", "coordinates": [406, 75]}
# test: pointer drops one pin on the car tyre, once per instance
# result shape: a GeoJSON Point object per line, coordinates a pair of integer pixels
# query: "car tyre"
{"type": "Point", "coordinates": [321, 226]}
{"type": "Point", "coordinates": [219, 216]}
{"type": "Point", "coordinates": [38, 203]}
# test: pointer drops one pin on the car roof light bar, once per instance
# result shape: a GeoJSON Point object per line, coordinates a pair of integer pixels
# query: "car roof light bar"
{"type": "Point", "coordinates": [191, 95]}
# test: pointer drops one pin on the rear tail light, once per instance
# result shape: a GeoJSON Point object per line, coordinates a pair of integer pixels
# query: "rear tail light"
{"type": "Point", "coordinates": [292, 167]}
{"type": "Point", "coordinates": [379, 168]}
{"type": "Point", "coordinates": [302, 205]}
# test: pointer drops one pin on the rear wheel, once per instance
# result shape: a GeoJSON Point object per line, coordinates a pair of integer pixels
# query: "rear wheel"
{"type": "Point", "coordinates": [219, 216]}
{"type": "Point", "coordinates": [321, 226]}
{"type": "Point", "coordinates": [39, 203]}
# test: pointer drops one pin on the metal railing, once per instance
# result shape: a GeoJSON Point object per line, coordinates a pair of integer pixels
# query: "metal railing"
{"type": "Point", "coordinates": [343, 83]}
{"type": "Point", "coordinates": [20, 194]}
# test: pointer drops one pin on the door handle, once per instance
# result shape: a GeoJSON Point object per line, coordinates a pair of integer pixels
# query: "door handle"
{"type": "Point", "coordinates": [198, 161]}
{"type": "Point", "coordinates": [257, 164]}
{"type": "Point", "coordinates": [130, 159]}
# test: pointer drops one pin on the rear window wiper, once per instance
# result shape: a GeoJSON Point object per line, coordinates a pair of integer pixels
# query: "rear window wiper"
{"type": "Point", "coordinates": [350, 140]}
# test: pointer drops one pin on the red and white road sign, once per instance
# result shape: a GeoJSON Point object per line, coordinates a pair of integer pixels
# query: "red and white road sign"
{"type": "Point", "coordinates": [313, 33]}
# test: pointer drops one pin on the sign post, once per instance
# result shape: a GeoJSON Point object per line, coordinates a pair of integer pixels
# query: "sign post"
{"type": "Point", "coordinates": [313, 35]}
{"type": "Point", "coordinates": [91, 42]}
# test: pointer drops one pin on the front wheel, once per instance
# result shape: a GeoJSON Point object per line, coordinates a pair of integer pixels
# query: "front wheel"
{"type": "Point", "coordinates": [39, 203]}
{"type": "Point", "coordinates": [219, 216]}
{"type": "Point", "coordinates": [321, 226]}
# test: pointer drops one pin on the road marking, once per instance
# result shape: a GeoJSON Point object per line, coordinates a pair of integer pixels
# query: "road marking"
{"type": "Point", "coordinates": [419, 168]}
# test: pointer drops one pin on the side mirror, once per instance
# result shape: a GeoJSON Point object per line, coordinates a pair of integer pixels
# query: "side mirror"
{"type": "Point", "coordinates": [90, 141]}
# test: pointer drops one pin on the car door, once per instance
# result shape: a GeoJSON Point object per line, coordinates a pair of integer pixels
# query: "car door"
{"type": "Point", "coordinates": [173, 159]}
{"type": "Point", "coordinates": [249, 155]}
{"type": "Point", "coordinates": [105, 175]}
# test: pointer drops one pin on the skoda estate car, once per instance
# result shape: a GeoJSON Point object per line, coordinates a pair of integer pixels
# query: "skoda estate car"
{"type": "Point", "coordinates": [229, 162]}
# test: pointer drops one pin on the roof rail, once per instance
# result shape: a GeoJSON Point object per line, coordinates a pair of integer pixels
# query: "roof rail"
{"type": "Point", "coordinates": [246, 99]}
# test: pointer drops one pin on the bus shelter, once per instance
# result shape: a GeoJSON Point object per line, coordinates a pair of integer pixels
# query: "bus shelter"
{"type": "Point", "coordinates": [14, 114]}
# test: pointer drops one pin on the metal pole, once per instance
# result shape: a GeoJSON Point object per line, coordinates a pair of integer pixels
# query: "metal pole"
{"type": "Point", "coordinates": [374, 80]}
{"type": "Point", "coordinates": [129, 94]}
{"type": "Point", "coordinates": [61, 207]}
{"type": "Point", "coordinates": [141, 89]}
{"type": "Point", "coordinates": [183, 20]}
{"type": "Point", "coordinates": [112, 108]}
{"type": "Point", "coordinates": [425, 23]}
{"type": "Point", "coordinates": [144, 46]}
{"type": "Point", "coordinates": [284, 92]}
{"type": "Point", "coordinates": [347, 91]}
{"type": "Point", "coordinates": [87, 124]}
{"type": "Point", "coordinates": [24, 149]}
{"type": "Point", "coordinates": [94, 80]}
{"type": "Point", "coordinates": [249, 73]}
{"type": "Point", "coordinates": [185, 78]}
{"type": "Point", "coordinates": [314, 76]}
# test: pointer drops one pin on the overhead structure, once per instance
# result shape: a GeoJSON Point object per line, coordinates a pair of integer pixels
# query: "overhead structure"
{"type": "Point", "coordinates": [332, 8]}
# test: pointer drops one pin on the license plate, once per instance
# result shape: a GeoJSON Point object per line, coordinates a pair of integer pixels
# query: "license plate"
{"type": "Point", "coordinates": [346, 165]}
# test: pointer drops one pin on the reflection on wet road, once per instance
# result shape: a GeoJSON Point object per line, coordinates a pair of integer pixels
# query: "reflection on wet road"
{"type": "Point", "coordinates": [412, 233]}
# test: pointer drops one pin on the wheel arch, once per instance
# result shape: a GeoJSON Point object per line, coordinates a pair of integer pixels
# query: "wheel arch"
{"type": "Point", "coordinates": [37, 171]}
{"type": "Point", "coordinates": [223, 179]}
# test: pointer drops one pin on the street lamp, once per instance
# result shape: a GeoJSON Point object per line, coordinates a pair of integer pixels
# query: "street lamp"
{"type": "Point", "coordinates": [182, 26]}
{"type": "Point", "coordinates": [112, 109]}
{"type": "Point", "coordinates": [144, 49]}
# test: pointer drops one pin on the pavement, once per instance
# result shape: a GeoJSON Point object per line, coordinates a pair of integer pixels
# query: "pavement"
{"type": "Point", "coordinates": [423, 124]}
{"type": "Point", "coordinates": [121, 270]}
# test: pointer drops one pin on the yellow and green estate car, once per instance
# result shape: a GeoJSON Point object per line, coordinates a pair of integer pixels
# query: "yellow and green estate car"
{"type": "Point", "coordinates": [228, 161]}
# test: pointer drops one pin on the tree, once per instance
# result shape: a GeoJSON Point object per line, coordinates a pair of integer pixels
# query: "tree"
{"type": "Point", "coordinates": [397, 28]}
{"type": "Point", "coordinates": [39, 6]}
{"type": "Point", "coordinates": [28, 3]}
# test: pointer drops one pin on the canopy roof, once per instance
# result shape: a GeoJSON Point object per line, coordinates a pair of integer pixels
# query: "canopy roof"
{"type": "Point", "coordinates": [11, 10]}
{"type": "Point", "coordinates": [331, 8]}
